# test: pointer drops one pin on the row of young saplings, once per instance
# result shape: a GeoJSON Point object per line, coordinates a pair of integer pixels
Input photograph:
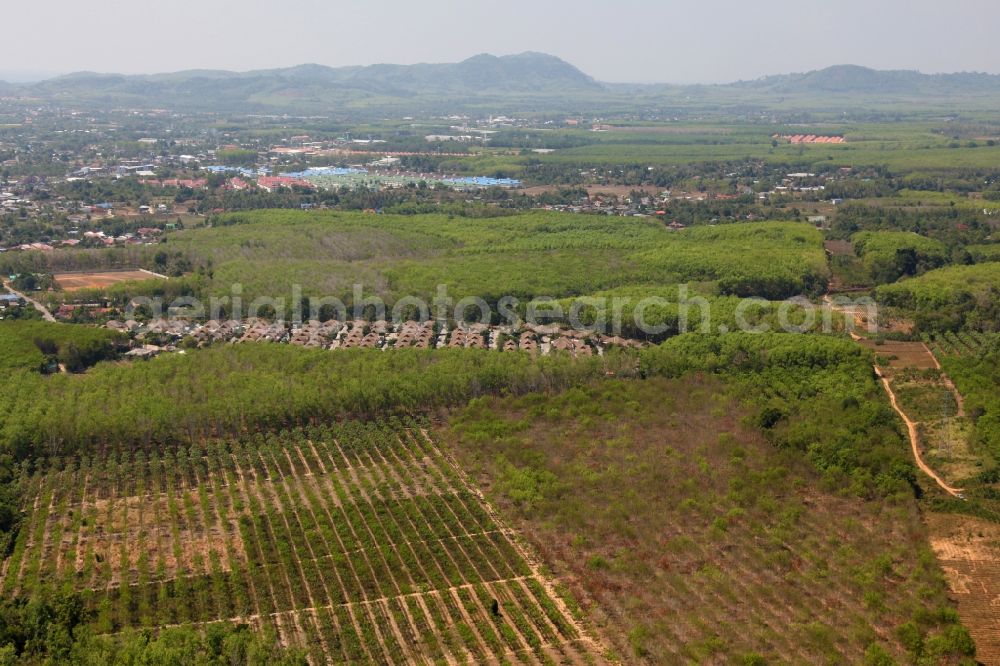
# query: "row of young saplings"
{"type": "Point", "coordinates": [359, 542]}
{"type": "Point", "coordinates": [950, 343]}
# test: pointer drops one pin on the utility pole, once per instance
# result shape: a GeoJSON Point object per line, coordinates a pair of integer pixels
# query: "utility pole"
{"type": "Point", "coordinates": [946, 419]}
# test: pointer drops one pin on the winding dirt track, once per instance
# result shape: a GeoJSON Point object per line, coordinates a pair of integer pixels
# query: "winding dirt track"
{"type": "Point", "coordinates": [950, 385]}
{"type": "Point", "coordinates": [911, 427]}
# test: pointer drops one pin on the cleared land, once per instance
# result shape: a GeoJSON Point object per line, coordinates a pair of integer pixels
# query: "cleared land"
{"type": "Point", "coordinates": [360, 544]}
{"type": "Point", "coordinates": [937, 420]}
{"type": "Point", "coordinates": [969, 551]}
{"type": "Point", "coordinates": [903, 355]}
{"type": "Point", "coordinates": [931, 408]}
{"type": "Point", "coordinates": [78, 281]}
{"type": "Point", "coordinates": [967, 548]}
{"type": "Point", "coordinates": [839, 248]}
{"type": "Point", "coordinates": [914, 433]}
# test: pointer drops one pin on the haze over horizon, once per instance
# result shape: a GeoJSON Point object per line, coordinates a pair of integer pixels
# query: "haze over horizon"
{"type": "Point", "coordinates": [673, 42]}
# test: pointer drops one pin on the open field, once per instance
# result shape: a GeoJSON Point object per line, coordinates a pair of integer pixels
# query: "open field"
{"type": "Point", "coordinates": [98, 280]}
{"type": "Point", "coordinates": [942, 430]}
{"type": "Point", "coordinates": [360, 544]}
{"type": "Point", "coordinates": [903, 146]}
{"type": "Point", "coordinates": [928, 398]}
{"type": "Point", "coordinates": [923, 200]}
{"type": "Point", "coordinates": [839, 248]}
{"type": "Point", "coordinates": [911, 153]}
{"type": "Point", "coordinates": [901, 355]}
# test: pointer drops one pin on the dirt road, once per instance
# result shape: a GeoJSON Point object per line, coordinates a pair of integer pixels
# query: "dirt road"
{"type": "Point", "coordinates": [46, 315]}
{"type": "Point", "coordinates": [911, 427]}
{"type": "Point", "coordinates": [950, 385]}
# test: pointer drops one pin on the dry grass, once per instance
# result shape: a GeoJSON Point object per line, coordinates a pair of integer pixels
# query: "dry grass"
{"type": "Point", "coordinates": [903, 355]}
{"type": "Point", "coordinates": [839, 248]}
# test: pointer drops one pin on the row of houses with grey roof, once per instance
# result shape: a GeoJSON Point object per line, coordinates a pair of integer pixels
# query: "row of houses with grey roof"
{"type": "Point", "coordinates": [174, 334]}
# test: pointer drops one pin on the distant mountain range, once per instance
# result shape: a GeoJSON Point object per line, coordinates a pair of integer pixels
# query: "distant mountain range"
{"type": "Point", "coordinates": [482, 77]}
{"type": "Point", "coordinates": [528, 81]}
{"type": "Point", "coordinates": [853, 79]}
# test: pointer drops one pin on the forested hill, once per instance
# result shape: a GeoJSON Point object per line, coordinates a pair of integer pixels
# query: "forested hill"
{"type": "Point", "coordinates": [507, 84]}
{"type": "Point", "coordinates": [313, 86]}
{"type": "Point", "coordinates": [854, 79]}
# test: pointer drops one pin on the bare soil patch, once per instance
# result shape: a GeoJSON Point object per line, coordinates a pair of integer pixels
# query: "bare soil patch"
{"type": "Point", "coordinates": [118, 538]}
{"type": "Point", "coordinates": [78, 281]}
{"type": "Point", "coordinates": [903, 355]}
{"type": "Point", "coordinates": [969, 552]}
{"type": "Point", "coordinates": [839, 248]}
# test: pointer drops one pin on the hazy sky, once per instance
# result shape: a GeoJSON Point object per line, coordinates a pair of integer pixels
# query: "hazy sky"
{"type": "Point", "coordinates": [625, 40]}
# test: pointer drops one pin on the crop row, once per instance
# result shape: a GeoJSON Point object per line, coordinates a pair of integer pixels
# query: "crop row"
{"type": "Point", "coordinates": [360, 543]}
{"type": "Point", "coordinates": [956, 344]}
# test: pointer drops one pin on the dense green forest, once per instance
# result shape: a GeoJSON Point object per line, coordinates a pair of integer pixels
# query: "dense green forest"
{"type": "Point", "coordinates": [224, 390]}
{"type": "Point", "coordinates": [978, 379]}
{"type": "Point", "coordinates": [538, 254]}
{"type": "Point", "coordinates": [890, 255]}
{"type": "Point", "coordinates": [984, 252]}
{"type": "Point", "coordinates": [52, 628]}
{"type": "Point", "coordinates": [949, 298]}
{"type": "Point", "coordinates": [34, 345]}
{"type": "Point", "coordinates": [657, 312]}
{"type": "Point", "coordinates": [814, 394]}
{"type": "Point", "coordinates": [797, 380]}
{"type": "Point", "coordinates": [954, 226]}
